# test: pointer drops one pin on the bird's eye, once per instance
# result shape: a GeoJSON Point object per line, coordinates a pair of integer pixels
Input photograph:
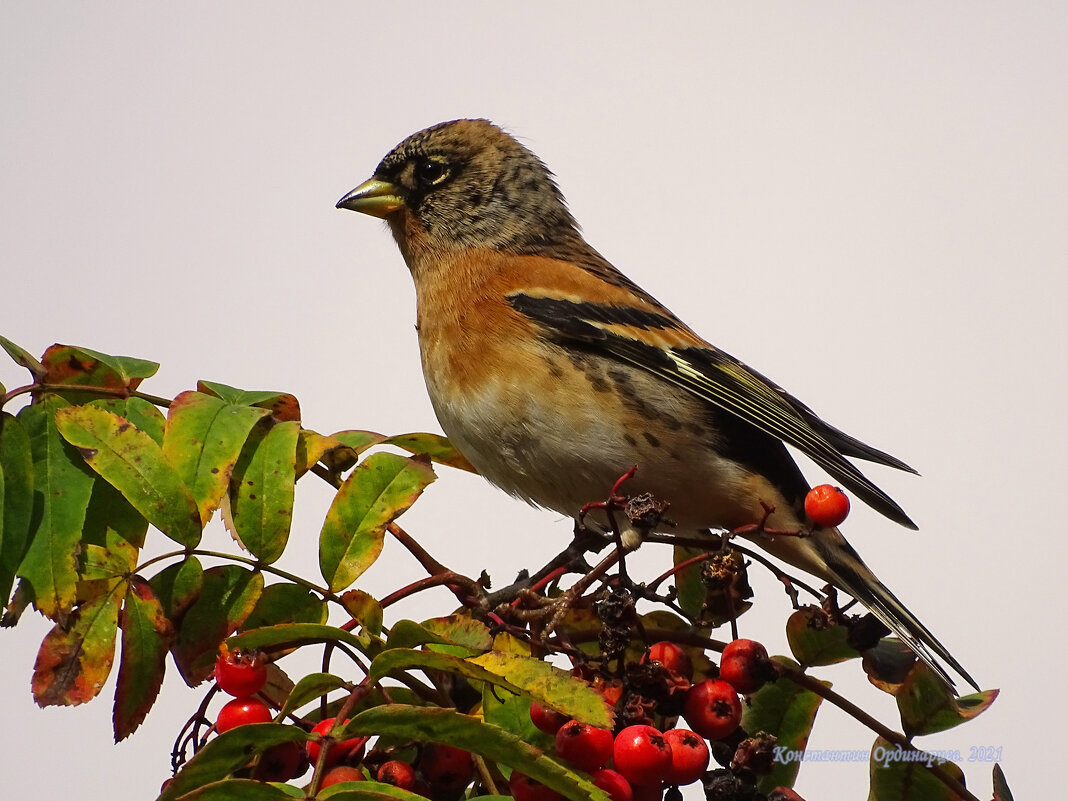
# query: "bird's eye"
{"type": "Point", "coordinates": [431, 171]}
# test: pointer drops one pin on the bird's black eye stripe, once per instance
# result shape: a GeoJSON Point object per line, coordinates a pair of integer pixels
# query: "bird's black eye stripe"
{"type": "Point", "coordinates": [431, 171]}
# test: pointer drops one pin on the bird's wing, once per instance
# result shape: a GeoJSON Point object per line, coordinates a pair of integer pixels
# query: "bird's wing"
{"type": "Point", "coordinates": [654, 341]}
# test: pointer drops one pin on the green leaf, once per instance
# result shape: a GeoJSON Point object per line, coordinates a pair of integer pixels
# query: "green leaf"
{"type": "Point", "coordinates": [1001, 786]}
{"type": "Point", "coordinates": [127, 368]}
{"type": "Point", "coordinates": [283, 405]}
{"type": "Point", "coordinates": [365, 608]}
{"type": "Point", "coordinates": [146, 417]}
{"type": "Point", "coordinates": [71, 366]}
{"type": "Point", "coordinates": [146, 637]}
{"type": "Point", "coordinates": [129, 460]}
{"type": "Point", "coordinates": [461, 630]}
{"type": "Point", "coordinates": [311, 688]}
{"type": "Point", "coordinates": [286, 603]}
{"type": "Point", "coordinates": [23, 358]}
{"type": "Point", "coordinates": [261, 491]}
{"type": "Point", "coordinates": [517, 674]}
{"type": "Point", "coordinates": [229, 594]}
{"type": "Point", "coordinates": [788, 711]}
{"type": "Point", "coordinates": [691, 591]}
{"type": "Point", "coordinates": [108, 511]}
{"type": "Point", "coordinates": [472, 734]}
{"type": "Point", "coordinates": [511, 711]}
{"type": "Point", "coordinates": [359, 441]}
{"type": "Point", "coordinates": [177, 586]}
{"type": "Point", "coordinates": [927, 705]}
{"type": "Point", "coordinates": [202, 440]}
{"type": "Point", "coordinates": [227, 753]}
{"type": "Point", "coordinates": [816, 640]}
{"type": "Point", "coordinates": [376, 492]}
{"type": "Point", "coordinates": [549, 685]}
{"type": "Point", "coordinates": [310, 449]}
{"type": "Point", "coordinates": [289, 635]}
{"type": "Point", "coordinates": [105, 567]}
{"type": "Point", "coordinates": [16, 500]}
{"type": "Point", "coordinates": [434, 446]}
{"type": "Point", "coordinates": [75, 659]}
{"type": "Point", "coordinates": [888, 663]}
{"type": "Point", "coordinates": [460, 640]}
{"type": "Point", "coordinates": [238, 790]}
{"type": "Point", "coordinates": [63, 484]}
{"type": "Point", "coordinates": [901, 775]}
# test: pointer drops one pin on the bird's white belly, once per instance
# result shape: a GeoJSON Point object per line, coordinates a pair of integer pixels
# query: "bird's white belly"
{"type": "Point", "coordinates": [550, 452]}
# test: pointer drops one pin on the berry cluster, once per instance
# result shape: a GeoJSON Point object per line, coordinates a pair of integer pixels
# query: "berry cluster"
{"type": "Point", "coordinates": [440, 771]}
{"type": "Point", "coordinates": [646, 755]}
{"type": "Point", "coordinates": [639, 761]}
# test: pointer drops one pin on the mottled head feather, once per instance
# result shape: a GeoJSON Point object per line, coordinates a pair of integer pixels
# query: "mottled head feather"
{"type": "Point", "coordinates": [470, 184]}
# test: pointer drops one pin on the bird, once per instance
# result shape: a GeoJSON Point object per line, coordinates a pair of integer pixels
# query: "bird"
{"type": "Point", "coordinates": [552, 372]}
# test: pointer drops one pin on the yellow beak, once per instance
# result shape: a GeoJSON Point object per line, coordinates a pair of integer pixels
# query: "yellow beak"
{"type": "Point", "coordinates": [374, 197]}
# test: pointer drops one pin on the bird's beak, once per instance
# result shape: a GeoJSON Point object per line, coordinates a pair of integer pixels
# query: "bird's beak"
{"type": "Point", "coordinates": [374, 197]}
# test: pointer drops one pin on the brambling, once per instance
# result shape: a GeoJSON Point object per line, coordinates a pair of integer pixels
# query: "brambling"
{"type": "Point", "coordinates": [553, 373]}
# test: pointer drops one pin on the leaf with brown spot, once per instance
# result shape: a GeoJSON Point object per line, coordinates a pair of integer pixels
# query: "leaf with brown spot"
{"type": "Point", "coordinates": [146, 637]}
{"type": "Point", "coordinates": [73, 366]}
{"type": "Point", "coordinates": [63, 484]}
{"type": "Point", "coordinates": [74, 660]}
{"type": "Point", "coordinates": [282, 406]}
{"type": "Point", "coordinates": [129, 460]}
{"type": "Point", "coordinates": [382, 487]}
{"type": "Point", "coordinates": [262, 489]}
{"type": "Point", "coordinates": [202, 440]}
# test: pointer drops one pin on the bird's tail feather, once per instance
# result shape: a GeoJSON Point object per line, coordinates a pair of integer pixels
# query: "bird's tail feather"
{"type": "Point", "coordinates": [849, 573]}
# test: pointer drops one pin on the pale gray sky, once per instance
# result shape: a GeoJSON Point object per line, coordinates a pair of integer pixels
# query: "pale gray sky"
{"type": "Point", "coordinates": [865, 202]}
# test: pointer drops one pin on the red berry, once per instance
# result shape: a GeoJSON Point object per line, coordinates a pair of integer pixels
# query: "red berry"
{"type": "Point", "coordinates": [241, 711]}
{"type": "Point", "coordinates": [689, 756]}
{"type": "Point", "coordinates": [584, 746]}
{"type": "Point", "coordinates": [350, 751]}
{"type": "Point", "coordinates": [445, 767]}
{"type": "Point", "coordinates": [282, 762]}
{"type": "Point", "coordinates": [613, 783]}
{"type": "Point", "coordinates": [399, 774]}
{"type": "Point", "coordinates": [342, 773]}
{"type": "Point", "coordinates": [826, 505]}
{"type": "Point", "coordinates": [240, 673]}
{"type": "Point", "coordinates": [642, 755]}
{"type": "Point", "coordinates": [745, 666]}
{"type": "Point", "coordinates": [546, 719]}
{"type": "Point", "coordinates": [525, 788]}
{"type": "Point", "coordinates": [670, 656]}
{"type": "Point", "coordinates": [712, 709]}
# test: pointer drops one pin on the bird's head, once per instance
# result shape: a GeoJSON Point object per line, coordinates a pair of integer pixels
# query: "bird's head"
{"type": "Point", "coordinates": [465, 184]}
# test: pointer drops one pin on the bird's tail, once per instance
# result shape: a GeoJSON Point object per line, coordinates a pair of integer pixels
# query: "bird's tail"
{"type": "Point", "coordinates": [845, 569]}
